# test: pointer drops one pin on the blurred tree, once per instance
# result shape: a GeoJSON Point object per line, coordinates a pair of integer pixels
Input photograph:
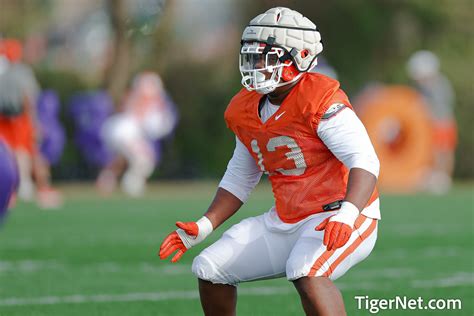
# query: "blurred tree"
{"type": "Point", "coordinates": [32, 13]}
{"type": "Point", "coordinates": [365, 40]}
{"type": "Point", "coordinates": [119, 68]}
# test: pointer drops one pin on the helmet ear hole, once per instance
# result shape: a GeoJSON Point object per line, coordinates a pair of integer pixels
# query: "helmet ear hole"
{"type": "Point", "coordinates": [289, 72]}
{"type": "Point", "coordinates": [304, 53]}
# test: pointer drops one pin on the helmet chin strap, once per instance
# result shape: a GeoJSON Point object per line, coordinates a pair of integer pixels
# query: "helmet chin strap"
{"type": "Point", "coordinates": [265, 90]}
{"type": "Point", "coordinates": [249, 79]}
{"type": "Point", "coordinates": [259, 77]}
{"type": "Point", "coordinates": [257, 81]}
{"type": "Point", "coordinates": [256, 78]}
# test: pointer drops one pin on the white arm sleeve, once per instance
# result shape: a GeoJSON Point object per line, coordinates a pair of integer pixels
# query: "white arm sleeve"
{"type": "Point", "coordinates": [242, 174]}
{"type": "Point", "coordinates": [346, 137]}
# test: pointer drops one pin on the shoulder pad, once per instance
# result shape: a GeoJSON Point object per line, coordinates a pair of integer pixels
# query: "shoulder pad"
{"type": "Point", "coordinates": [333, 110]}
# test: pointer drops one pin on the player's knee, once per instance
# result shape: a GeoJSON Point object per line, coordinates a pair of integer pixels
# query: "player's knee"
{"type": "Point", "coordinates": [142, 166]}
{"type": "Point", "coordinates": [302, 284]}
{"type": "Point", "coordinates": [202, 268]}
{"type": "Point", "coordinates": [205, 269]}
{"type": "Point", "coordinates": [295, 268]}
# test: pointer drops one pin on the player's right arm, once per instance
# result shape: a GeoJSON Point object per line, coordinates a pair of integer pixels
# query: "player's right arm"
{"type": "Point", "coordinates": [240, 178]}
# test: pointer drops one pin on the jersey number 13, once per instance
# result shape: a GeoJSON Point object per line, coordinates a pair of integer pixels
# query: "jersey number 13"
{"type": "Point", "coordinates": [294, 154]}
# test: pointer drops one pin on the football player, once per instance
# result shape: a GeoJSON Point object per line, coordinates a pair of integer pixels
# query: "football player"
{"type": "Point", "coordinates": [300, 129]}
{"type": "Point", "coordinates": [19, 126]}
{"type": "Point", "coordinates": [424, 68]}
{"type": "Point", "coordinates": [133, 134]}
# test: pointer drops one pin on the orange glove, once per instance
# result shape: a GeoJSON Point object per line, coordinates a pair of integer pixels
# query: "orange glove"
{"type": "Point", "coordinates": [338, 228]}
{"type": "Point", "coordinates": [186, 236]}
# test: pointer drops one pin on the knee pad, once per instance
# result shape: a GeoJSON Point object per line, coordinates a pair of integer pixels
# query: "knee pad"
{"type": "Point", "coordinates": [205, 269]}
{"type": "Point", "coordinates": [295, 269]}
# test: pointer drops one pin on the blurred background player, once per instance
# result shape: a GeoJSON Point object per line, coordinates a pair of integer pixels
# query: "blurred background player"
{"type": "Point", "coordinates": [19, 126]}
{"type": "Point", "coordinates": [134, 134]}
{"type": "Point", "coordinates": [424, 68]}
{"type": "Point", "coordinates": [8, 179]}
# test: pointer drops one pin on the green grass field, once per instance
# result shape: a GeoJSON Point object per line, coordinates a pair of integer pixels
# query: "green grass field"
{"type": "Point", "coordinates": [98, 257]}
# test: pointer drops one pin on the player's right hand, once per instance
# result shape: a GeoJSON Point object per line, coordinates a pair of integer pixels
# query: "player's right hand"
{"type": "Point", "coordinates": [187, 235]}
{"type": "Point", "coordinates": [174, 242]}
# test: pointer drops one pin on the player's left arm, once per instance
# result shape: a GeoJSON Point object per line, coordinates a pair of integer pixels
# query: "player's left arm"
{"type": "Point", "coordinates": [345, 135]}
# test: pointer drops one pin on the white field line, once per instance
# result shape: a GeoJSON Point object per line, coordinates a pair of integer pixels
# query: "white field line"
{"type": "Point", "coordinates": [417, 229]}
{"type": "Point", "coordinates": [34, 266]}
{"type": "Point", "coordinates": [131, 297]}
{"type": "Point", "coordinates": [27, 266]}
{"type": "Point", "coordinates": [460, 279]}
{"type": "Point", "coordinates": [366, 279]}
{"type": "Point", "coordinates": [31, 265]}
{"type": "Point", "coordinates": [425, 253]}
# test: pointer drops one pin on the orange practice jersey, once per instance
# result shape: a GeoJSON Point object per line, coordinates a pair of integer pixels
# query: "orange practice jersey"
{"type": "Point", "coordinates": [18, 132]}
{"type": "Point", "coordinates": [304, 174]}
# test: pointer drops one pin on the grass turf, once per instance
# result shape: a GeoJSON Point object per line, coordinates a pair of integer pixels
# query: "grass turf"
{"type": "Point", "coordinates": [97, 257]}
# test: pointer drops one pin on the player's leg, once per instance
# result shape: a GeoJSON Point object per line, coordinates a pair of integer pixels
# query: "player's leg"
{"type": "Point", "coordinates": [107, 179]}
{"type": "Point", "coordinates": [141, 163]}
{"type": "Point", "coordinates": [47, 197]}
{"type": "Point", "coordinates": [26, 190]}
{"type": "Point", "coordinates": [217, 299]}
{"type": "Point", "coordinates": [23, 148]}
{"type": "Point", "coordinates": [114, 131]}
{"type": "Point", "coordinates": [123, 134]}
{"type": "Point", "coordinates": [320, 296]}
{"type": "Point", "coordinates": [246, 252]}
{"type": "Point", "coordinates": [313, 274]}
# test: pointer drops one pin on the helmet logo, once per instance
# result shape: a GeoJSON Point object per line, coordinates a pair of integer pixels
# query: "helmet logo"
{"type": "Point", "coordinates": [251, 32]}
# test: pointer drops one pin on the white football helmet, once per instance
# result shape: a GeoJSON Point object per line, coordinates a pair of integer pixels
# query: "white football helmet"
{"type": "Point", "coordinates": [277, 47]}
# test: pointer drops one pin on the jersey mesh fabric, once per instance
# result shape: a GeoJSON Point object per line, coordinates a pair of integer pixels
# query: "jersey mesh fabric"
{"type": "Point", "coordinates": [304, 174]}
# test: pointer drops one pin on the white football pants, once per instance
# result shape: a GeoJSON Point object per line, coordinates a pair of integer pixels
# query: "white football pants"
{"type": "Point", "coordinates": [250, 250]}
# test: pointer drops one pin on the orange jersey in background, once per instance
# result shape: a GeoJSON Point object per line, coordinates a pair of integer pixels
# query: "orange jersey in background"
{"type": "Point", "coordinates": [304, 174]}
{"type": "Point", "coordinates": [18, 132]}
{"type": "Point", "coordinates": [445, 135]}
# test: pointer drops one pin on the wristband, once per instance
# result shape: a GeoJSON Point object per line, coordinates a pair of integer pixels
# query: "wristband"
{"type": "Point", "coordinates": [204, 229]}
{"type": "Point", "coordinates": [347, 214]}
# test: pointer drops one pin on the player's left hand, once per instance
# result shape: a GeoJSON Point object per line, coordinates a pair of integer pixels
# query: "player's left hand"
{"type": "Point", "coordinates": [338, 228]}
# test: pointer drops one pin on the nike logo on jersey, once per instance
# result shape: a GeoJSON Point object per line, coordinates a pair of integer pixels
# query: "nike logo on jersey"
{"type": "Point", "coordinates": [279, 115]}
